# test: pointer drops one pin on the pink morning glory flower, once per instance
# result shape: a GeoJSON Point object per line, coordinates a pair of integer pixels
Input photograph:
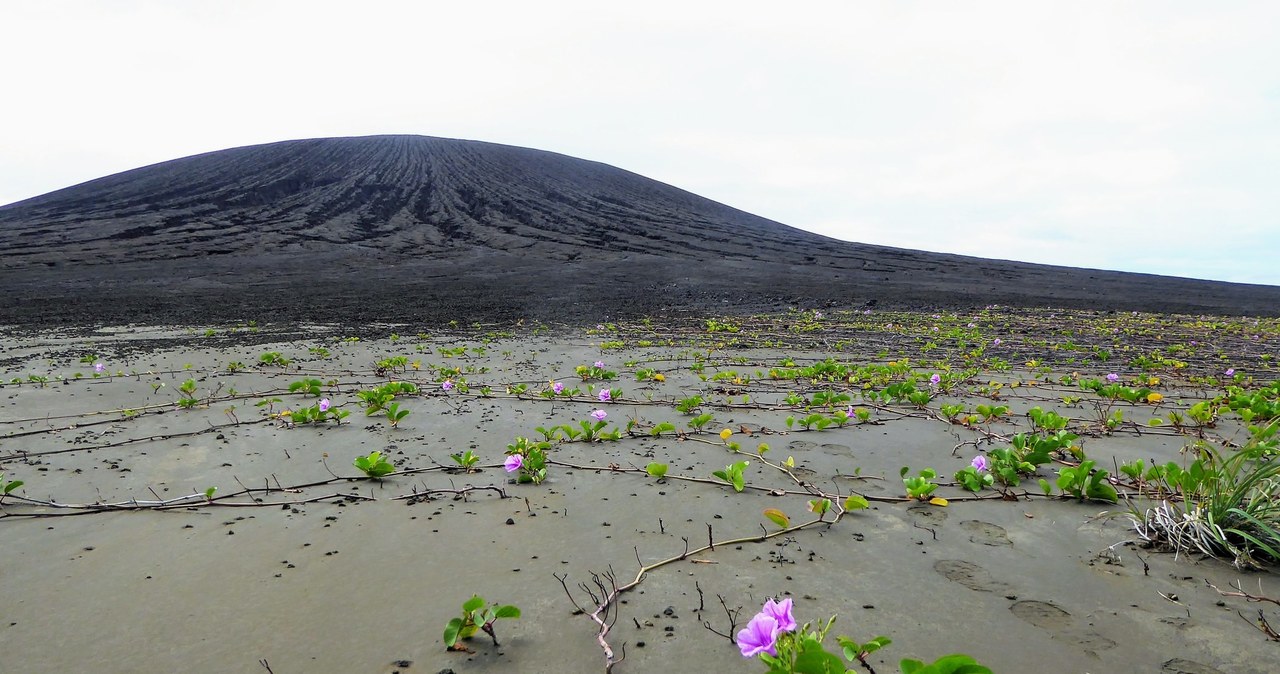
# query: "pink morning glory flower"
{"type": "Point", "coordinates": [995, 342]}
{"type": "Point", "coordinates": [606, 396]}
{"type": "Point", "coordinates": [780, 611]}
{"type": "Point", "coordinates": [599, 415]}
{"type": "Point", "coordinates": [973, 325]}
{"type": "Point", "coordinates": [817, 314]}
{"type": "Point", "coordinates": [759, 636]}
{"type": "Point", "coordinates": [447, 385]}
{"type": "Point", "coordinates": [324, 404]}
{"type": "Point", "coordinates": [1113, 377]}
{"type": "Point", "coordinates": [1231, 372]}
{"type": "Point", "coordinates": [935, 379]}
{"type": "Point", "coordinates": [599, 364]}
{"type": "Point", "coordinates": [558, 388]}
{"type": "Point", "coordinates": [99, 367]}
{"type": "Point", "coordinates": [980, 463]}
{"type": "Point", "coordinates": [513, 463]}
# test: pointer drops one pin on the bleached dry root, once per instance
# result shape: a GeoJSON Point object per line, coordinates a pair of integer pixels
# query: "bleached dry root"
{"type": "Point", "coordinates": [1183, 531]}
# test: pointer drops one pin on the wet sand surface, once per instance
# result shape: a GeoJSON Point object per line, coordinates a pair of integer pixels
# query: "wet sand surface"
{"type": "Point", "coordinates": [319, 569]}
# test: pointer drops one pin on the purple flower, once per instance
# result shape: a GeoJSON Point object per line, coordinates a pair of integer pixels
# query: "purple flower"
{"type": "Point", "coordinates": [995, 342]}
{"type": "Point", "coordinates": [935, 379]}
{"type": "Point", "coordinates": [980, 463]}
{"type": "Point", "coordinates": [599, 415]}
{"type": "Point", "coordinates": [558, 388]}
{"type": "Point", "coordinates": [606, 395]}
{"type": "Point", "coordinates": [513, 463]}
{"type": "Point", "coordinates": [1113, 377]}
{"type": "Point", "coordinates": [817, 315]}
{"type": "Point", "coordinates": [599, 364]}
{"type": "Point", "coordinates": [759, 636]}
{"type": "Point", "coordinates": [99, 367]}
{"type": "Point", "coordinates": [781, 613]}
{"type": "Point", "coordinates": [866, 312]}
{"type": "Point", "coordinates": [324, 404]}
{"type": "Point", "coordinates": [447, 385]}
{"type": "Point", "coordinates": [973, 325]}
{"type": "Point", "coordinates": [1231, 372]}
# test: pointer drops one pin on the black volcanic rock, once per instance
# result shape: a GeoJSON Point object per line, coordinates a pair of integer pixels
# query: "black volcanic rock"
{"type": "Point", "coordinates": [410, 227]}
{"type": "Point", "coordinates": [396, 195]}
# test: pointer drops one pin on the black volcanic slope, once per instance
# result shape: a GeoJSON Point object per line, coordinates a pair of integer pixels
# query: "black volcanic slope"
{"type": "Point", "coordinates": [410, 227]}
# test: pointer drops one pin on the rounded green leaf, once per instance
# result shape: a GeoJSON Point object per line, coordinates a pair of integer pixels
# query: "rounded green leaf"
{"type": "Point", "coordinates": [856, 502]}
{"type": "Point", "coordinates": [451, 632]}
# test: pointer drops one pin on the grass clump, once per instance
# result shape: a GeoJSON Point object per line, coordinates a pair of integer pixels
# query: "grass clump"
{"type": "Point", "coordinates": [1223, 505]}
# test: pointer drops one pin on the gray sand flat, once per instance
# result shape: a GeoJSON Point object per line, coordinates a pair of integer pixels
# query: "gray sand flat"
{"type": "Point", "coordinates": [367, 583]}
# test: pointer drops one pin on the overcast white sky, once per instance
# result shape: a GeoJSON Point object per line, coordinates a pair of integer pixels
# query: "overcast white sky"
{"type": "Point", "coordinates": [1140, 136]}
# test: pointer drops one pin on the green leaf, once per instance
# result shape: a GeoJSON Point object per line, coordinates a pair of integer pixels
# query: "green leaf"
{"type": "Point", "coordinates": [656, 469]}
{"type": "Point", "coordinates": [475, 602]}
{"type": "Point", "coordinates": [777, 517]}
{"type": "Point", "coordinates": [507, 611]}
{"type": "Point", "coordinates": [856, 502]}
{"type": "Point", "coordinates": [814, 659]}
{"type": "Point", "coordinates": [451, 632]}
{"type": "Point", "coordinates": [876, 644]}
{"type": "Point", "coordinates": [909, 666]}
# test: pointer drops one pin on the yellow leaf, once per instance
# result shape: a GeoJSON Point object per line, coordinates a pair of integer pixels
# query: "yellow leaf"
{"type": "Point", "coordinates": [1154, 397]}
{"type": "Point", "coordinates": [790, 462]}
{"type": "Point", "coordinates": [777, 517]}
{"type": "Point", "coordinates": [938, 501]}
{"type": "Point", "coordinates": [659, 377]}
{"type": "Point", "coordinates": [724, 435]}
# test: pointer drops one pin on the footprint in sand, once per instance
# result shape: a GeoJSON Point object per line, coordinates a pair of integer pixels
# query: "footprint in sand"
{"type": "Point", "coordinates": [840, 451]}
{"type": "Point", "coordinates": [1060, 625]}
{"type": "Point", "coordinates": [926, 515]}
{"type": "Point", "coordinates": [1042, 614]}
{"type": "Point", "coordinates": [800, 446]}
{"type": "Point", "coordinates": [1180, 666]}
{"type": "Point", "coordinates": [986, 533]}
{"type": "Point", "coordinates": [969, 575]}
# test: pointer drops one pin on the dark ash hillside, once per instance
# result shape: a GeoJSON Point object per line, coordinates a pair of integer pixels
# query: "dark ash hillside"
{"type": "Point", "coordinates": [403, 228]}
